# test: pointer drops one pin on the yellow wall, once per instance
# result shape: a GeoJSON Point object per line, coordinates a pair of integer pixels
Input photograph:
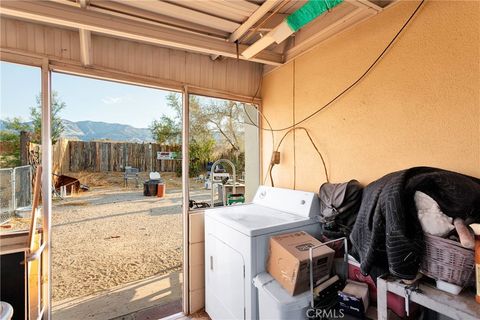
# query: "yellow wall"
{"type": "Point", "coordinates": [419, 106]}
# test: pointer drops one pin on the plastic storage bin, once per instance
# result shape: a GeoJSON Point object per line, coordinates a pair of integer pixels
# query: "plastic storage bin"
{"type": "Point", "coordinates": [274, 302]}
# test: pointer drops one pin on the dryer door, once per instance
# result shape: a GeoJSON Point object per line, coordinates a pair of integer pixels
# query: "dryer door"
{"type": "Point", "coordinates": [225, 280]}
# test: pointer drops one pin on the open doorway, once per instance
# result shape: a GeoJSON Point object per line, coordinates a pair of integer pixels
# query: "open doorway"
{"type": "Point", "coordinates": [117, 253]}
{"type": "Point", "coordinates": [116, 210]}
{"type": "Point", "coordinates": [20, 117]}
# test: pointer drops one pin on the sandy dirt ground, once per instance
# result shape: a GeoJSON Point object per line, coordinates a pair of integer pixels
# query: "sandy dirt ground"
{"type": "Point", "coordinates": [110, 237]}
{"type": "Point", "coordinates": [113, 235]}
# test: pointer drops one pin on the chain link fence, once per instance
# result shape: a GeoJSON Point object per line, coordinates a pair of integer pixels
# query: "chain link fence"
{"type": "Point", "coordinates": [6, 194]}
{"type": "Point", "coordinates": [23, 186]}
{"type": "Point", "coordinates": [15, 190]}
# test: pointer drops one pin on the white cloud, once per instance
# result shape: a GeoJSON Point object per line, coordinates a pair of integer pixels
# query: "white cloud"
{"type": "Point", "coordinates": [115, 100]}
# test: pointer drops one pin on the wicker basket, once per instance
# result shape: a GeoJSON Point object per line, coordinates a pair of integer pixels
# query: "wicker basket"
{"type": "Point", "coordinates": [448, 261]}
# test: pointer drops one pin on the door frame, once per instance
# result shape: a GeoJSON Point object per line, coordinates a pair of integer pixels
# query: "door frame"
{"type": "Point", "coordinates": [47, 66]}
{"type": "Point", "coordinates": [46, 188]}
{"type": "Point", "coordinates": [185, 199]}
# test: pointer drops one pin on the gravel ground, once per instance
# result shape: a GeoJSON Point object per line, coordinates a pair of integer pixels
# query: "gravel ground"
{"type": "Point", "coordinates": [111, 236]}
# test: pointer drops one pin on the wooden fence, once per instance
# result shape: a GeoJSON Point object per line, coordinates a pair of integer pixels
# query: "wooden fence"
{"type": "Point", "coordinates": [99, 156]}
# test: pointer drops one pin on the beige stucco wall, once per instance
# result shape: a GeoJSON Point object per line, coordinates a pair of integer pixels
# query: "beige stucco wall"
{"type": "Point", "coordinates": [419, 106]}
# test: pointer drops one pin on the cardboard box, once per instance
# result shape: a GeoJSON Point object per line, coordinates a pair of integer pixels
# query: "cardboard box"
{"type": "Point", "coordinates": [289, 261]}
{"type": "Point", "coordinates": [354, 299]}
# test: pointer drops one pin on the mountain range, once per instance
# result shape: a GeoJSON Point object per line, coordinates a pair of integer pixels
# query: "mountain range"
{"type": "Point", "coordinates": [94, 130]}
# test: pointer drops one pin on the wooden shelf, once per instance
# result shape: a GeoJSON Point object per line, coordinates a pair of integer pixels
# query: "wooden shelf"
{"type": "Point", "coordinates": [461, 307]}
{"type": "Point", "coordinates": [14, 242]}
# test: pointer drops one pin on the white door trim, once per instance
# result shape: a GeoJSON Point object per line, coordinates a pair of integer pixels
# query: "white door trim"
{"type": "Point", "coordinates": [46, 188]}
{"type": "Point", "coordinates": [185, 197]}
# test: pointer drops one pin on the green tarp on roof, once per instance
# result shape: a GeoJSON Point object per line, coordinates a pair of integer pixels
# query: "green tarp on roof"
{"type": "Point", "coordinates": [309, 11]}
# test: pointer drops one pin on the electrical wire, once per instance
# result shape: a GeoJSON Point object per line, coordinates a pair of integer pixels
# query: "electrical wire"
{"type": "Point", "coordinates": [294, 127]}
{"type": "Point", "coordinates": [260, 112]}
{"type": "Point", "coordinates": [271, 164]}
{"type": "Point", "coordinates": [270, 167]}
{"type": "Point", "coordinates": [253, 123]}
{"type": "Point", "coordinates": [314, 145]}
{"type": "Point", "coordinates": [364, 74]}
{"type": "Point", "coordinates": [294, 99]}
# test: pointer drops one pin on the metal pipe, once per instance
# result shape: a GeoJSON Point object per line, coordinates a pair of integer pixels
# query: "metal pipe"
{"type": "Point", "coordinates": [212, 171]}
{"type": "Point", "coordinates": [14, 187]}
{"type": "Point", "coordinates": [310, 255]}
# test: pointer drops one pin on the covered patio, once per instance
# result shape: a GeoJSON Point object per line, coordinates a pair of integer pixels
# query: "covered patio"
{"type": "Point", "coordinates": [337, 90]}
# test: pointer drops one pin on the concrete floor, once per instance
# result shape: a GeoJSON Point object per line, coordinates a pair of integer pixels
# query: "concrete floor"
{"type": "Point", "coordinates": [152, 298]}
{"type": "Point", "coordinates": [201, 315]}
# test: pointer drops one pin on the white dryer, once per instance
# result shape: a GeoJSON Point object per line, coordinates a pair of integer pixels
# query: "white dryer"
{"type": "Point", "coordinates": [236, 246]}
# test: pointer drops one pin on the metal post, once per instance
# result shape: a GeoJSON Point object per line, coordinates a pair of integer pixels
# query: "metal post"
{"type": "Point", "coordinates": [185, 192]}
{"type": "Point", "coordinates": [312, 298]}
{"type": "Point", "coordinates": [14, 187]}
{"type": "Point", "coordinates": [46, 188]}
{"type": "Point", "coordinates": [30, 185]}
{"type": "Point", "coordinates": [310, 255]}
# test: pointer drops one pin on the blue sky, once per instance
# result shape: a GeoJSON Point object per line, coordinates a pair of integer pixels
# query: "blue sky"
{"type": "Point", "coordinates": [86, 98]}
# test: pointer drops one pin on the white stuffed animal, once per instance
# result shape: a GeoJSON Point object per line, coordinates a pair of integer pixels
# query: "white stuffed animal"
{"type": "Point", "coordinates": [432, 219]}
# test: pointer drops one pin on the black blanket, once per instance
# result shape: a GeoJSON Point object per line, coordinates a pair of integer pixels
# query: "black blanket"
{"type": "Point", "coordinates": [387, 235]}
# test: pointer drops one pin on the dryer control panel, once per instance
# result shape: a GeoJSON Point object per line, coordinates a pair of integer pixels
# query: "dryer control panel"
{"type": "Point", "coordinates": [301, 203]}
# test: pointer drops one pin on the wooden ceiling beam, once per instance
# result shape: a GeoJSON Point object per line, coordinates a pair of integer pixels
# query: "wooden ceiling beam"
{"type": "Point", "coordinates": [85, 40]}
{"type": "Point", "coordinates": [183, 13]}
{"type": "Point", "coordinates": [254, 18]}
{"type": "Point", "coordinates": [225, 9]}
{"type": "Point", "coordinates": [365, 4]}
{"type": "Point", "coordinates": [74, 17]}
{"type": "Point", "coordinates": [241, 5]}
{"type": "Point", "coordinates": [120, 10]}
{"type": "Point", "coordinates": [371, 5]}
{"type": "Point", "coordinates": [83, 3]}
{"type": "Point", "coordinates": [86, 51]}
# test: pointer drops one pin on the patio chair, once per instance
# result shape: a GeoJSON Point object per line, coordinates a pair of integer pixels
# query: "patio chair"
{"type": "Point", "coordinates": [131, 173]}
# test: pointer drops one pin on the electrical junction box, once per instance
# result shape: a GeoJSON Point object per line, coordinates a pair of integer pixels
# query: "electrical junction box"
{"type": "Point", "coordinates": [275, 157]}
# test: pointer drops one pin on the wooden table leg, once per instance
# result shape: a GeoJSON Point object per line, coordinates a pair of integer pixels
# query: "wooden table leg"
{"type": "Point", "coordinates": [382, 308]}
